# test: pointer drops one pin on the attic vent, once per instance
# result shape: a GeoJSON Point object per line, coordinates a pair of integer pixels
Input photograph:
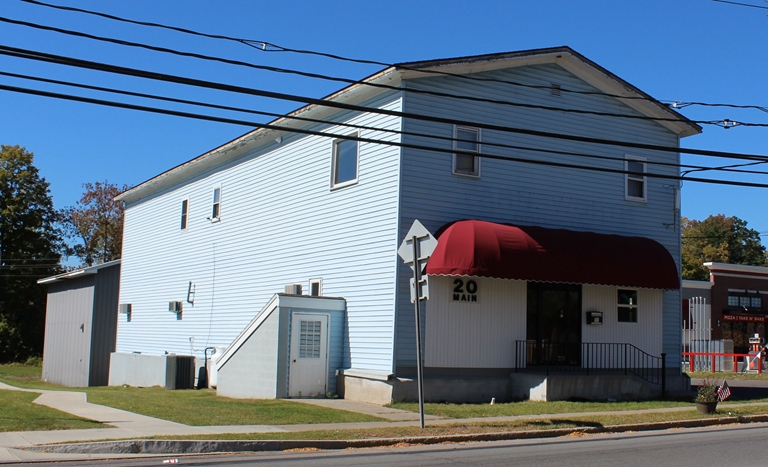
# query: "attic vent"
{"type": "Point", "coordinates": [554, 89]}
{"type": "Point", "coordinates": [124, 308]}
{"type": "Point", "coordinates": [293, 289]}
{"type": "Point", "coordinates": [174, 307]}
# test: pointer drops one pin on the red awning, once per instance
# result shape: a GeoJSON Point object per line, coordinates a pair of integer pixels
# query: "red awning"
{"type": "Point", "coordinates": [486, 249]}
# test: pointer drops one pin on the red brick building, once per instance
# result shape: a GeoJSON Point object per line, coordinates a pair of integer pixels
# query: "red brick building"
{"type": "Point", "coordinates": [737, 298]}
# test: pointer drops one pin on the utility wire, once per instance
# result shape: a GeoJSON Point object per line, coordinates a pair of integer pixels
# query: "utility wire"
{"type": "Point", "coordinates": [692, 168]}
{"type": "Point", "coordinates": [78, 63]}
{"type": "Point", "coordinates": [369, 140]}
{"type": "Point", "coordinates": [742, 4]}
{"type": "Point", "coordinates": [271, 47]}
{"type": "Point", "coordinates": [365, 83]}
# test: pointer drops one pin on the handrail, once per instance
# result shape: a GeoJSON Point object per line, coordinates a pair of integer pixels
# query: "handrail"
{"type": "Point", "coordinates": [591, 356]}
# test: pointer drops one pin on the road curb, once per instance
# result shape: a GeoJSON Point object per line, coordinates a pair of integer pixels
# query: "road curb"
{"type": "Point", "coordinates": [210, 446]}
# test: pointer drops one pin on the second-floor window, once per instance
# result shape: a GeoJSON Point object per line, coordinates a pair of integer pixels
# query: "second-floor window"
{"type": "Point", "coordinates": [636, 182]}
{"type": "Point", "coordinates": [184, 213]}
{"type": "Point", "coordinates": [467, 140]}
{"type": "Point", "coordinates": [344, 163]}
{"type": "Point", "coordinates": [216, 207]}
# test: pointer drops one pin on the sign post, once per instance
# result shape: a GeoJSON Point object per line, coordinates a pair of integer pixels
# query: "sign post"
{"type": "Point", "coordinates": [415, 250]}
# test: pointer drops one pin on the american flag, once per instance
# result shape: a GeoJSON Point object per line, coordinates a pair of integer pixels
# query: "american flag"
{"type": "Point", "coordinates": [723, 392]}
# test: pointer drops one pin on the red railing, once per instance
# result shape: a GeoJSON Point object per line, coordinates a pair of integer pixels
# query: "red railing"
{"type": "Point", "coordinates": [750, 360]}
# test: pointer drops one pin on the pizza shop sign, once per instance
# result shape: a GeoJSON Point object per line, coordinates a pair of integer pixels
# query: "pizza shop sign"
{"type": "Point", "coordinates": [745, 318]}
{"type": "Point", "coordinates": [464, 291]}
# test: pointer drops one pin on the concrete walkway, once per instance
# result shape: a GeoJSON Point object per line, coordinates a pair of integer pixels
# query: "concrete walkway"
{"type": "Point", "coordinates": [128, 425]}
{"type": "Point", "coordinates": [131, 425]}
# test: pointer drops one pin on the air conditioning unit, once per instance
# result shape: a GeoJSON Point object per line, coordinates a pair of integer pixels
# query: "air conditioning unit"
{"type": "Point", "coordinates": [174, 307]}
{"type": "Point", "coordinates": [293, 289]}
{"type": "Point", "coordinates": [124, 308]}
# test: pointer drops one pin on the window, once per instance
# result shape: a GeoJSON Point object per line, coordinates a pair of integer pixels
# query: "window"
{"type": "Point", "coordinates": [466, 140]}
{"type": "Point", "coordinates": [216, 208]}
{"type": "Point", "coordinates": [636, 183]}
{"type": "Point", "coordinates": [184, 213]}
{"type": "Point", "coordinates": [309, 339]}
{"type": "Point", "coordinates": [344, 163]}
{"type": "Point", "coordinates": [744, 300]}
{"type": "Point", "coordinates": [316, 287]}
{"type": "Point", "coordinates": [627, 306]}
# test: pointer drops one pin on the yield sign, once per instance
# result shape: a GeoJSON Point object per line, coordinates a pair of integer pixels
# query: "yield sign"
{"type": "Point", "coordinates": [425, 245]}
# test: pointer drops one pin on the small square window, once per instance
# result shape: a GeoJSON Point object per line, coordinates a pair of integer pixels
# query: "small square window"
{"type": "Point", "coordinates": [184, 213]}
{"type": "Point", "coordinates": [466, 140]}
{"type": "Point", "coordinates": [627, 306]}
{"type": "Point", "coordinates": [636, 184]}
{"type": "Point", "coordinates": [315, 287]}
{"type": "Point", "coordinates": [757, 302]}
{"type": "Point", "coordinates": [216, 207]}
{"type": "Point", "coordinates": [344, 163]}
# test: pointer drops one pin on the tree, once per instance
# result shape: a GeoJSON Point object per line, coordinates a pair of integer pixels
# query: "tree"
{"type": "Point", "coordinates": [29, 246]}
{"type": "Point", "coordinates": [719, 239]}
{"type": "Point", "coordinates": [94, 226]}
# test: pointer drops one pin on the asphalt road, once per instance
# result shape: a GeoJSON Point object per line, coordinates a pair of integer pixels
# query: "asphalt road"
{"type": "Point", "coordinates": [741, 445]}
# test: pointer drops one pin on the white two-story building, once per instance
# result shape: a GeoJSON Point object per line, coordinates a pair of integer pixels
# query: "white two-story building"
{"type": "Point", "coordinates": [279, 249]}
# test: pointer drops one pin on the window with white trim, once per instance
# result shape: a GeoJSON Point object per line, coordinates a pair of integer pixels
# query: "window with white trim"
{"type": "Point", "coordinates": [636, 182]}
{"type": "Point", "coordinates": [344, 162]}
{"type": "Point", "coordinates": [216, 205]}
{"type": "Point", "coordinates": [184, 213]}
{"type": "Point", "coordinates": [316, 287]}
{"type": "Point", "coordinates": [627, 306]}
{"type": "Point", "coordinates": [466, 140]}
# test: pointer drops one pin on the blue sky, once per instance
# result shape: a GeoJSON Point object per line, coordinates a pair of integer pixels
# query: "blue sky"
{"type": "Point", "coordinates": [681, 50]}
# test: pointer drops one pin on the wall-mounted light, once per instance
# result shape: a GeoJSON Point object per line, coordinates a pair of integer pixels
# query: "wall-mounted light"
{"type": "Point", "coordinates": [191, 293]}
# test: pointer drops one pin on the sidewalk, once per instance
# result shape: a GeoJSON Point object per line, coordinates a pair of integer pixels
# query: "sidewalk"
{"type": "Point", "coordinates": [128, 425]}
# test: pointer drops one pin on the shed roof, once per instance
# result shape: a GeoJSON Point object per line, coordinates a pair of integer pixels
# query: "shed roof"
{"type": "Point", "coordinates": [78, 272]}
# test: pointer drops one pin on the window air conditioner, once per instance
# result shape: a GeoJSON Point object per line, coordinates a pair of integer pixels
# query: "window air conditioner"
{"type": "Point", "coordinates": [293, 289]}
{"type": "Point", "coordinates": [124, 308]}
{"type": "Point", "coordinates": [174, 307]}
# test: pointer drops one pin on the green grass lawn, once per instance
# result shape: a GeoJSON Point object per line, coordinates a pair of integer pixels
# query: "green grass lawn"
{"type": "Point", "coordinates": [190, 407]}
{"type": "Point", "coordinates": [204, 407]}
{"type": "Point", "coordinates": [19, 413]}
{"type": "Point", "coordinates": [548, 422]}
{"type": "Point", "coordinates": [532, 408]}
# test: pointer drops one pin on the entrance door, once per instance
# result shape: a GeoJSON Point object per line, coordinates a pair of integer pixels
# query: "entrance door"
{"type": "Point", "coordinates": [308, 375]}
{"type": "Point", "coordinates": [554, 324]}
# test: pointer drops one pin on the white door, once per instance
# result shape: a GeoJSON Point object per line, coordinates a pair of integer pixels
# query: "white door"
{"type": "Point", "coordinates": [308, 375]}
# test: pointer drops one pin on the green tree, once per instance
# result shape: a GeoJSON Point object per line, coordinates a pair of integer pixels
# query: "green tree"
{"type": "Point", "coordinates": [29, 246]}
{"type": "Point", "coordinates": [719, 239]}
{"type": "Point", "coordinates": [94, 226]}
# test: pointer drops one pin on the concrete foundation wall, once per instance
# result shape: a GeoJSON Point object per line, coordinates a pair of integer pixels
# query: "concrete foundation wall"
{"type": "Point", "coordinates": [516, 386]}
{"type": "Point", "coordinates": [140, 370]}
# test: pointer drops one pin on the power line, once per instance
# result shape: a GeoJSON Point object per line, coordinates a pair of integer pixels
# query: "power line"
{"type": "Point", "coordinates": [742, 4]}
{"type": "Point", "coordinates": [369, 140]}
{"type": "Point", "coordinates": [79, 63]}
{"type": "Point", "coordinates": [693, 168]}
{"type": "Point", "coordinates": [271, 47]}
{"type": "Point", "coordinates": [358, 82]}
{"type": "Point", "coordinates": [266, 46]}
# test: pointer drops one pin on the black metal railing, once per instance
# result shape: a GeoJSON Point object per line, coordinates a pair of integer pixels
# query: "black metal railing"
{"type": "Point", "coordinates": [590, 357]}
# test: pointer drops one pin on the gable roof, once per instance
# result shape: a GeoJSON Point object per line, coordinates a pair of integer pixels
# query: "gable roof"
{"type": "Point", "coordinates": [564, 56]}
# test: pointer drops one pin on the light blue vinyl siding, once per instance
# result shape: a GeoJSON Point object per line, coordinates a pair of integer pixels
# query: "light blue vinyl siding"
{"type": "Point", "coordinates": [280, 224]}
{"type": "Point", "coordinates": [528, 194]}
